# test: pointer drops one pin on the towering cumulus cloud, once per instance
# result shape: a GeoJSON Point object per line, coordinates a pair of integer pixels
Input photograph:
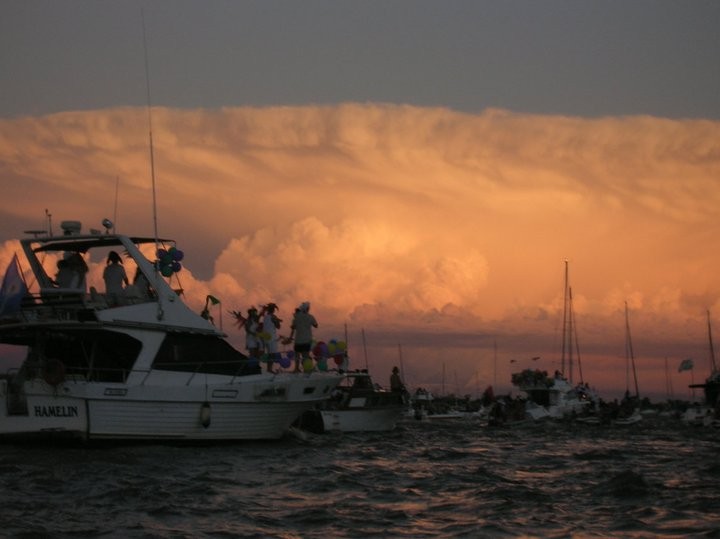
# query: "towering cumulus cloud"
{"type": "Point", "coordinates": [423, 225]}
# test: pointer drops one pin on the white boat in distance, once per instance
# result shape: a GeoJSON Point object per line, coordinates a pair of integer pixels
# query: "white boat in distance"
{"type": "Point", "coordinates": [557, 397]}
{"type": "Point", "coordinates": [139, 366]}
{"type": "Point", "coordinates": [356, 405]}
{"type": "Point", "coordinates": [551, 397]}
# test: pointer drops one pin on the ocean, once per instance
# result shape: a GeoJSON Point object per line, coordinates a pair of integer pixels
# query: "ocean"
{"type": "Point", "coordinates": [456, 478]}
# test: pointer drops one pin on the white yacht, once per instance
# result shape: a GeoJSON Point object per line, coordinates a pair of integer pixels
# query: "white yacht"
{"type": "Point", "coordinates": [138, 366]}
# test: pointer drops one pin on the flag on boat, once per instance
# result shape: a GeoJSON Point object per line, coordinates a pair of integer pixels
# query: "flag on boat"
{"type": "Point", "coordinates": [685, 365]}
{"type": "Point", "coordinates": [13, 289]}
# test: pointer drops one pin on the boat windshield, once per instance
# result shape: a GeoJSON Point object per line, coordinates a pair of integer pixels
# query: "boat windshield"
{"type": "Point", "coordinates": [202, 353]}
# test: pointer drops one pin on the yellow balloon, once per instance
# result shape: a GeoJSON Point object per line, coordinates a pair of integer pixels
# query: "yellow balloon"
{"type": "Point", "coordinates": [307, 364]}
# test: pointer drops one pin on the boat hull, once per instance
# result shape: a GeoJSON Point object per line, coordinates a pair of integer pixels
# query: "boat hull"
{"type": "Point", "coordinates": [251, 410]}
{"type": "Point", "coordinates": [368, 420]}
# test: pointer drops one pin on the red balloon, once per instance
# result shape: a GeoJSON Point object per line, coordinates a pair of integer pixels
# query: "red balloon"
{"type": "Point", "coordinates": [320, 350]}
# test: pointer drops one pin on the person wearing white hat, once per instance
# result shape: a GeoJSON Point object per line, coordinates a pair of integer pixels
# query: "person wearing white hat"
{"type": "Point", "coordinates": [301, 329]}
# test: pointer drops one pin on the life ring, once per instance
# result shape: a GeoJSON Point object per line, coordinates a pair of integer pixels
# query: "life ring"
{"type": "Point", "coordinates": [54, 372]}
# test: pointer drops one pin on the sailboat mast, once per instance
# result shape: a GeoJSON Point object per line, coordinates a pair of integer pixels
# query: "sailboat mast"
{"type": "Point", "coordinates": [574, 335]}
{"type": "Point", "coordinates": [565, 321]}
{"type": "Point", "coordinates": [713, 365]}
{"type": "Point", "coordinates": [570, 335]}
{"type": "Point", "coordinates": [495, 363]}
{"type": "Point", "coordinates": [443, 380]}
{"type": "Point", "coordinates": [365, 348]}
{"type": "Point", "coordinates": [629, 351]}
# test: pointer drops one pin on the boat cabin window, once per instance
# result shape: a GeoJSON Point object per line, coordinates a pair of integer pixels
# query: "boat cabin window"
{"type": "Point", "coordinates": [102, 356]}
{"type": "Point", "coordinates": [202, 353]}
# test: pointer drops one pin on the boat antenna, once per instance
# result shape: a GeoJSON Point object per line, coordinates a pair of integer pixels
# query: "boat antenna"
{"type": "Point", "coordinates": [117, 188]}
{"type": "Point", "coordinates": [149, 110]}
{"type": "Point", "coordinates": [160, 313]}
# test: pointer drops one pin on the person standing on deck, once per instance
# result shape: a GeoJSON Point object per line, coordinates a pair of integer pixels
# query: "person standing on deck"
{"type": "Point", "coordinates": [114, 276]}
{"type": "Point", "coordinates": [301, 328]}
{"type": "Point", "coordinates": [396, 385]}
{"type": "Point", "coordinates": [270, 324]}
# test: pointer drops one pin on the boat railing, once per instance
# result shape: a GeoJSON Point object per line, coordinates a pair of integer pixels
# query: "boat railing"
{"type": "Point", "coordinates": [235, 368]}
{"type": "Point", "coordinates": [67, 304]}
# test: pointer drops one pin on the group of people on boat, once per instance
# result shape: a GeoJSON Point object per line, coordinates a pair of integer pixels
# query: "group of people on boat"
{"type": "Point", "coordinates": [262, 338]}
{"type": "Point", "coordinates": [72, 270]}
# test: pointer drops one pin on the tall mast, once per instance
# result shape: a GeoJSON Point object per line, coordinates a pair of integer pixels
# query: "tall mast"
{"type": "Point", "coordinates": [713, 365]}
{"type": "Point", "coordinates": [160, 312]}
{"type": "Point", "coordinates": [573, 333]}
{"type": "Point", "coordinates": [150, 131]}
{"type": "Point", "coordinates": [495, 364]}
{"type": "Point", "coordinates": [365, 348]}
{"type": "Point", "coordinates": [630, 356]}
{"type": "Point", "coordinates": [570, 335]}
{"type": "Point", "coordinates": [565, 321]}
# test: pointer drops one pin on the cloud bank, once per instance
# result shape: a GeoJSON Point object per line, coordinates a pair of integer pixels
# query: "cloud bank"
{"type": "Point", "coordinates": [442, 232]}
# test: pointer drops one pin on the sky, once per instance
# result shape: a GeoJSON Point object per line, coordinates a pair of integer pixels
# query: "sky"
{"type": "Point", "coordinates": [419, 171]}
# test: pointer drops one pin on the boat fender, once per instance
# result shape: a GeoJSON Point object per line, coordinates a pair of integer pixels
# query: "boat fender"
{"type": "Point", "coordinates": [54, 372]}
{"type": "Point", "coordinates": [205, 415]}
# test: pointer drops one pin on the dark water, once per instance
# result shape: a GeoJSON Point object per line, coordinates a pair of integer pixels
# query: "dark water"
{"type": "Point", "coordinates": [422, 480]}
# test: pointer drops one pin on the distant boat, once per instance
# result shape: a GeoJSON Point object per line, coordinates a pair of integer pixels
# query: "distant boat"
{"type": "Point", "coordinates": [356, 405]}
{"type": "Point", "coordinates": [556, 396]}
{"type": "Point", "coordinates": [706, 413]}
{"type": "Point", "coordinates": [629, 412]}
{"type": "Point", "coordinates": [634, 417]}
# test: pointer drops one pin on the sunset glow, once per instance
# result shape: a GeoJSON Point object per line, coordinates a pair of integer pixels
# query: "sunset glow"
{"type": "Point", "coordinates": [441, 232]}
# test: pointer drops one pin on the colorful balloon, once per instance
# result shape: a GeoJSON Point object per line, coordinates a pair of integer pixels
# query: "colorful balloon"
{"type": "Point", "coordinates": [308, 365]}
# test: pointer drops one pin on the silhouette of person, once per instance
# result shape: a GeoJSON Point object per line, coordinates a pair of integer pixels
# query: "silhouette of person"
{"type": "Point", "coordinates": [301, 328]}
{"type": "Point", "coordinates": [396, 385]}
{"type": "Point", "coordinates": [115, 277]}
{"type": "Point", "coordinates": [270, 324]}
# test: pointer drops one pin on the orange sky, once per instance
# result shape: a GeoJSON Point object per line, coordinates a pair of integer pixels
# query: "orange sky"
{"type": "Point", "coordinates": [439, 231]}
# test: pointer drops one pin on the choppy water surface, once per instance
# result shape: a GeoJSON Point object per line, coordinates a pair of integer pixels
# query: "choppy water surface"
{"type": "Point", "coordinates": [455, 479]}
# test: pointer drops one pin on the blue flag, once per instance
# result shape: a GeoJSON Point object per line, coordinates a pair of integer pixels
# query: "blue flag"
{"type": "Point", "coordinates": [13, 289]}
